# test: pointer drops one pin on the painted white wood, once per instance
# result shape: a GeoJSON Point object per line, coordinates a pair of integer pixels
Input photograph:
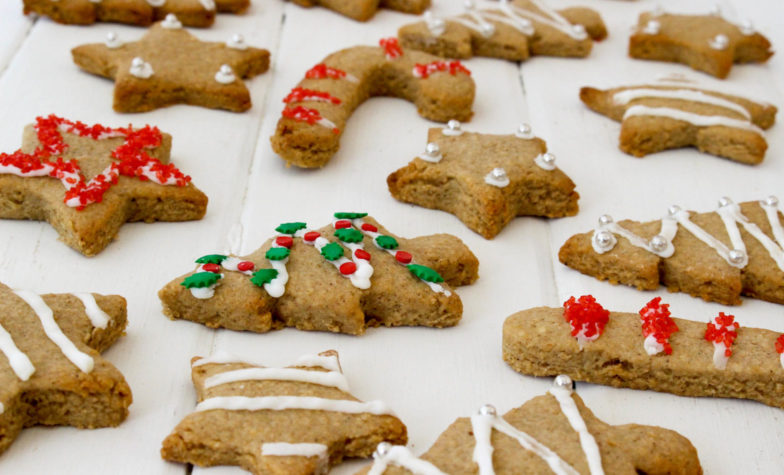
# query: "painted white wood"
{"type": "Point", "coordinates": [429, 377]}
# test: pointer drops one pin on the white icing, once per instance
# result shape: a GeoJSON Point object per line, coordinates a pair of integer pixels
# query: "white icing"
{"type": "Point", "coordinates": [140, 68]}
{"type": "Point", "coordinates": [437, 26]}
{"type": "Point", "coordinates": [519, 18]}
{"type": "Point", "coordinates": [781, 358]}
{"type": "Point", "coordinates": [45, 315]}
{"type": "Point", "coordinates": [282, 403]}
{"type": "Point", "coordinates": [203, 293]}
{"type": "Point", "coordinates": [225, 75]}
{"type": "Point", "coordinates": [231, 263]}
{"type": "Point", "coordinates": [208, 4]}
{"type": "Point", "coordinates": [497, 177]}
{"type": "Point", "coordinates": [97, 316]}
{"type": "Point", "coordinates": [628, 95]}
{"type": "Point", "coordinates": [324, 122]}
{"type": "Point", "coordinates": [171, 22]}
{"type": "Point", "coordinates": [695, 119]}
{"type": "Point", "coordinates": [156, 3]}
{"type": "Point", "coordinates": [219, 357]}
{"type": "Point", "coordinates": [652, 27]}
{"type": "Point", "coordinates": [2, 408]}
{"type": "Point", "coordinates": [545, 161]}
{"type": "Point", "coordinates": [582, 339]}
{"type": "Point", "coordinates": [285, 449]}
{"type": "Point", "coordinates": [651, 346]}
{"type": "Point", "coordinates": [18, 361]}
{"type": "Point", "coordinates": [109, 174]}
{"type": "Point", "coordinates": [328, 362]}
{"type": "Point", "coordinates": [669, 227]}
{"type": "Point", "coordinates": [333, 379]}
{"type": "Point", "coordinates": [719, 42]}
{"type": "Point", "coordinates": [720, 359]}
{"type": "Point", "coordinates": [587, 441]}
{"type": "Point", "coordinates": [400, 456]}
{"type": "Point", "coordinates": [237, 41]}
{"type": "Point", "coordinates": [277, 286]}
{"type": "Point", "coordinates": [112, 40]}
{"type": "Point", "coordinates": [358, 280]}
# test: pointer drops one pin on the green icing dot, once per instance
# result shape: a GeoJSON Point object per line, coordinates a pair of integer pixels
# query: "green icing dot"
{"type": "Point", "coordinates": [263, 276]}
{"type": "Point", "coordinates": [200, 280]}
{"type": "Point", "coordinates": [332, 251]}
{"type": "Point", "coordinates": [290, 228]}
{"type": "Point", "coordinates": [386, 242]}
{"type": "Point", "coordinates": [425, 273]}
{"type": "Point", "coordinates": [211, 259]}
{"type": "Point", "coordinates": [277, 253]}
{"type": "Point", "coordinates": [344, 215]}
{"type": "Point", "coordinates": [349, 235]}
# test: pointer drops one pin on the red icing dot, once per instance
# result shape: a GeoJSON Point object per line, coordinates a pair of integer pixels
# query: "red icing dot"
{"type": "Point", "coordinates": [403, 257]}
{"type": "Point", "coordinates": [348, 268]}
{"type": "Point", "coordinates": [245, 266]}
{"type": "Point", "coordinates": [453, 67]}
{"type": "Point", "coordinates": [322, 71]}
{"type": "Point", "coordinates": [215, 268]}
{"type": "Point", "coordinates": [362, 254]}
{"type": "Point", "coordinates": [723, 330]}
{"type": "Point", "coordinates": [301, 94]}
{"type": "Point", "coordinates": [656, 321]}
{"type": "Point", "coordinates": [284, 241]}
{"type": "Point", "coordinates": [311, 236]}
{"type": "Point", "coordinates": [780, 344]}
{"type": "Point", "coordinates": [369, 227]}
{"type": "Point", "coordinates": [391, 47]}
{"type": "Point", "coordinates": [586, 316]}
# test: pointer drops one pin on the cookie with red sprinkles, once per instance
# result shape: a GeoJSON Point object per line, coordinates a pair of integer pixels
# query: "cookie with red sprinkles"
{"type": "Point", "coordinates": [88, 180]}
{"type": "Point", "coordinates": [363, 10]}
{"type": "Point", "coordinates": [344, 277]}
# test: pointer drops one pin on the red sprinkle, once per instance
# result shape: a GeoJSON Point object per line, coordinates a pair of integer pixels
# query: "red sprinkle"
{"type": "Point", "coordinates": [656, 321]}
{"type": "Point", "coordinates": [780, 344]}
{"type": "Point", "coordinates": [348, 268]}
{"type": "Point", "coordinates": [403, 257]}
{"type": "Point", "coordinates": [453, 67]}
{"type": "Point", "coordinates": [305, 114]}
{"type": "Point", "coordinates": [284, 241]}
{"type": "Point", "coordinates": [215, 268]}
{"type": "Point", "coordinates": [301, 94]}
{"type": "Point", "coordinates": [369, 227]}
{"type": "Point", "coordinates": [311, 236]}
{"type": "Point", "coordinates": [245, 266]}
{"type": "Point", "coordinates": [322, 71]}
{"type": "Point", "coordinates": [391, 47]}
{"type": "Point", "coordinates": [723, 330]}
{"type": "Point", "coordinates": [586, 316]}
{"type": "Point", "coordinates": [363, 254]}
{"type": "Point", "coordinates": [343, 223]}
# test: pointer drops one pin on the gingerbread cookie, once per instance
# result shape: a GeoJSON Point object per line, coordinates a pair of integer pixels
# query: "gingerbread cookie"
{"type": "Point", "coordinates": [553, 433]}
{"type": "Point", "coordinates": [296, 420]}
{"type": "Point", "coordinates": [198, 13]}
{"type": "Point", "coordinates": [87, 181]}
{"type": "Point", "coordinates": [717, 256]}
{"type": "Point", "coordinates": [649, 350]}
{"type": "Point", "coordinates": [512, 30]}
{"type": "Point", "coordinates": [707, 43]}
{"type": "Point", "coordinates": [51, 372]}
{"type": "Point", "coordinates": [363, 10]}
{"type": "Point", "coordinates": [345, 277]}
{"type": "Point", "coordinates": [170, 66]}
{"type": "Point", "coordinates": [485, 180]}
{"type": "Point", "coordinates": [674, 114]}
{"type": "Point", "coordinates": [309, 131]}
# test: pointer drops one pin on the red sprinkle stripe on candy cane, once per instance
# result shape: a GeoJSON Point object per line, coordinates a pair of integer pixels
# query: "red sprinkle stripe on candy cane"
{"type": "Point", "coordinates": [305, 114]}
{"type": "Point", "coordinates": [301, 94]}
{"type": "Point", "coordinates": [322, 71]}
{"type": "Point", "coordinates": [453, 67]}
{"type": "Point", "coordinates": [391, 47]}
{"type": "Point", "coordinates": [656, 321]}
{"type": "Point", "coordinates": [723, 330]}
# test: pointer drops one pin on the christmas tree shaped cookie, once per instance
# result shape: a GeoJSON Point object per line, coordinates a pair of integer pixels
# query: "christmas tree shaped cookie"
{"type": "Point", "coordinates": [485, 180]}
{"type": "Point", "coordinates": [51, 372]}
{"type": "Point", "coordinates": [707, 43]}
{"type": "Point", "coordinates": [341, 278]}
{"type": "Point", "coordinates": [363, 10]}
{"type": "Point", "coordinates": [648, 350]}
{"type": "Point", "coordinates": [296, 420]}
{"type": "Point", "coordinates": [670, 114]}
{"type": "Point", "coordinates": [717, 256]}
{"type": "Point", "coordinates": [170, 66]}
{"type": "Point", "coordinates": [308, 133]}
{"type": "Point", "coordinates": [87, 181]}
{"type": "Point", "coordinates": [552, 433]}
{"type": "Point", "coordinates": [510, 29]}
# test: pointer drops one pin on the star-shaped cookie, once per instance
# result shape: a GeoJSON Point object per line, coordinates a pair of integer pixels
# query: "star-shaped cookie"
{"type": "Point", "coordinates": [170, 66]}
{"type": "Point", "coordinates": [296, 420]}
{"type": "Point", "coordinates": [197, 13]}
{"type": "Point", "coordinates": [51, 372]}
{"type": "Point", "coordinates": [707, 43]}
{"type": "Point", "coordinates": [87, 181]}
{"type": "Point", "coordinates": [363, 10]}
{"type": "Point", "coordinates": [485, 180]}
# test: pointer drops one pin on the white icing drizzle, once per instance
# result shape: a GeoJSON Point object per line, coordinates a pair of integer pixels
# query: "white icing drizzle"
{"type": "Point", "coordinates": [277, 286]}
{"type": "Point", "coordinates": [695, 119]}
{"type": "Point", "coordinates": [328, 362]}
{"type": "Point", "coordinates": [668, 230]}
{"type": "Point", "coordinates": [97, 316]}
{"type": "Point", "coordinates": [400, 456]}
{"type": "Point", "coordinates": [45, 315]}
{"type": "Point", "coordinates": [2, 408]}
{"type": "Point", "coordinates": [437, 26]}
{"type": "Point", "coordinates": [364, 268]}
{"type": "Point", "coordinates": [628, 95]}
{"type": "Point", "coordinates": [720, 358]}
{"type": "Point", "coordinates": [156, 3]}
{"type": "Point", "coordinates": [333, 379]}
{"type": "Point", "coordinates": [587, 441]}
{"type": "Point", "coordinates": [18, 361]}
{"type": "Point", "coordinates": [358, 280]}
{"type": "Point", "coordinates": [208, 292]}
{"type": "Point", "coordinates": [651, 345]}
{"type": "Point", "coordinates": [219, 357]}
{"type": "Point", "coordinates": [286, 449]}
{"type": "Point", "coordinates": [282, 403]}
{"type": "Point", "coordinates": [208, 4]}
{"type": "Point", "coordinates": [781, 358]}
{"type": "Point", "coordinates": [497, 177]}
{"type": "Point", "coordinates": [519, 18]}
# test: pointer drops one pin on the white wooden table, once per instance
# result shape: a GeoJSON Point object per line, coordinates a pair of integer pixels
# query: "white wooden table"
{"type": "Point", "coordinates": [429, 377]}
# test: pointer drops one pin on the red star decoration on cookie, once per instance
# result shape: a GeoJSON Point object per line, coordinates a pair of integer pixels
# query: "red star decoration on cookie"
{"type": "Point", "coordinates": [170, 66]}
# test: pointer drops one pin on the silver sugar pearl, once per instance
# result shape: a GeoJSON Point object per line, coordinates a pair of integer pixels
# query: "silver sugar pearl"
{"type": "Point", "coordinates": [771, 201]}
{"type": "Point", "coordinates": [563, 381]}
{"type": "Point", "coordinates": [382, 449]}
{"type": "Point", "coordinates": [719, 42]}
{"type": "Point", "coordinates": [724, 201]}
{"type": "Point", "coordinates": [226, 70]}
{"type": "Point", "coordinates": [487, 410]}
{"type": "Point", "coordinates": [487, 30]}
{"type": "Point", "coordinates": [746, 27]}
{"type": "Point", "coordinates": [658, 243]}
{"type": "Point", "coordinates": [548, 158]}
{"type": "Point", "coordinates": [715, 10]}
{"type": "Point", "coordinates": [432, 149]}
{"type": "Point", "coordinates": [737, 256]}
{"type": "Point", "coordinates": [237, 38]}
{"type": "Point", "coordinates": [469, 4]}
{"type": "Point", "coordinates": [111, 36]}
{"type": "Point", "coordinates": [137, 62]}
{"type": "Point", "coordinates": [652, 27]}
{"type": "Point", "coordinates": [605, 219]}
{"type": "Point", "coordinates": [673, 210]}
{"type": "Point", "coordinates": [524, 131]}
{"type": "Point", "coordinates": [498, 173]}
{"type": "Point", "coordinates": [578, 29]}
{"type": "Point", "coordinates": [453, 125]}
{"type": "Point", "coordinates": [603, 239]}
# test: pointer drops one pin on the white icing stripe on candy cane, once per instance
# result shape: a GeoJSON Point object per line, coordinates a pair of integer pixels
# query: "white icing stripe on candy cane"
{"type": "Point", "coordinates": [282, 403]}
{"type": "Point", "coordinates": [400, 456]}
{"type": "Point", "coordinates": [587, 441]}
{"type": "Point", "coordinates": [285, 449]}
{"type": "Point", "coordinates": [330, 363]}
{"type": "Point", "coordinates": [364, 269]}
{"type": "Point", "coordinates": [277, 286]}
{"type": "Point", "coordinates": [483, 425]}
{"type": "Point", "coordinates": [628, 95]}
{"type": "Point", "coordinates": [18, 361]}
{"type": "Point", "coordinates": [358, 280]}
{"type": "Point", "coordinates": [97, 316]}
{"type": "Point", "coordinates": [694, 119]}
{"type": "Point", "coordinates": [333, 379]}
{"type": "Point", "coordinates": [81, 360]}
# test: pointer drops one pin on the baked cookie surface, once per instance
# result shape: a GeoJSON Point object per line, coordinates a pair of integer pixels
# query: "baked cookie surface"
{"type": "Point", "coordinates": [363, 10]}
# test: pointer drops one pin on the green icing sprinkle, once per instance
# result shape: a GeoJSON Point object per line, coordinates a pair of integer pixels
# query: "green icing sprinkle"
{"type": "Point", "coordinates": [332, 251]}
{"type": "Point", "coordinates": [386, 242]}
{"type": "Point", "coordinates": [425, 273]}
{"type": "Point", "coordinates": [263, 276]}
{"type": "Point", "coordinates": [345, 215]}
{"type": "Point", "coordinates": [290, 228]}
{"type": "Point", "coordinates": [211, 259]}
{"type": "Point", "coordinates": [349, 235]}
{"type": "Point", "coordinates": [200, 280]}
{"type": "Point", "coordinates": [277, 253]}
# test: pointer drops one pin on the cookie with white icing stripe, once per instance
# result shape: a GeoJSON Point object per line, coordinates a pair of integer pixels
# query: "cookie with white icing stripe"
{"type": "Point", "coordinates": [486, 180]}
{"type": "Point", "coordinates": [553, 433]}
{"type": "Point", "coordinates": [718, 256]}
{"type": "Point", "coordinates": [317, 110]}
{"type": "Point", "coordinates": [512, 30]}
{"type": "Point", "coordinates": [667, 115]}
{"type": "Point", "coordinates": [648, 350]}
{"type": "Point", "coordinates": [170, 66]}
{"type": "Point", "coordinates": [51, 372]}
{"type": "Point", "coordinates": [197, 13]}
{"type": "Point", "coordinates": [345, 277]}
{"type": "Point", "coordinates": [707, 43]}
{"type": "Point", "coordinates": [363, 10]}
{"type": "Point", "coordinates": [296, 420]}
